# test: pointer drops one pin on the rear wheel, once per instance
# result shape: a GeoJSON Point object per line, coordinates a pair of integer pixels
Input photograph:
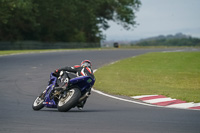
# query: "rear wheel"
{"type": "Point", "coordinates": [38, 104]}
{"type": "Point", "coordinates": [70, 100]}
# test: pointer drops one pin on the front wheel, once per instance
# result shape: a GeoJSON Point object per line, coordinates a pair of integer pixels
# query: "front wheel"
{"type": "Point", "coordinates": [70, 100]}
{"type": "Point", "coordinates": [38, 104]}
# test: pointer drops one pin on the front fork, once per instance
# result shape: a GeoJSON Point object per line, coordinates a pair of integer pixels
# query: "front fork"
{"type": "Point", "coordinates": [42, 95]}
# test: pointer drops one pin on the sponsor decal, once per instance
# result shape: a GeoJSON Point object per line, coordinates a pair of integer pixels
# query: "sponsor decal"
{"type": "Point", "coordinates": [89, 80]}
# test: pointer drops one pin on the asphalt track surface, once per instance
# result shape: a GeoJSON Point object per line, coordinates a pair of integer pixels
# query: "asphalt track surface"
{"type": "Point", "coordinates": [24, 76]}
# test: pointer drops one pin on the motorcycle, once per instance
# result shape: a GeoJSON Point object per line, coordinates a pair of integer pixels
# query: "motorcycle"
{"type": "Point", "coordinates": [76, 92]}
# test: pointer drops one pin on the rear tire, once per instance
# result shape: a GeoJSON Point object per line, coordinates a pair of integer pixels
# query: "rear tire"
{"type": "Point", "coordinates": [38, 104]}
{"type": "Point", "coordinates": [68, 102]}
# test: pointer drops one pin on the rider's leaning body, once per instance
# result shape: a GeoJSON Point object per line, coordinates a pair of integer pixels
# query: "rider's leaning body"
{"type": "Point", "coordinates": [80, 70]}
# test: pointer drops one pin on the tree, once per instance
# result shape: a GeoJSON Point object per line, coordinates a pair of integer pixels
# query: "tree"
{"type": "Point", "coordinates": [63, 20]}
{"type": "Point", "coordinates": [17, 19]}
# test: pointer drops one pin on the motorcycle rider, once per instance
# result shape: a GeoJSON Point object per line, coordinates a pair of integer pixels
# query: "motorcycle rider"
{"type": "Point", "coordinates": [80, 70]}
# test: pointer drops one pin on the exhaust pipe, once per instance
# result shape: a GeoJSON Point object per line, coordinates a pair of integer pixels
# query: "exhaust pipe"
{"type": "Point", "coordinates": [84, 97]}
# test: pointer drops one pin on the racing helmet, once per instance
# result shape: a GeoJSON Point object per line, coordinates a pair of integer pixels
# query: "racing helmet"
{"type": "Point", "coordinates": [86, 63]}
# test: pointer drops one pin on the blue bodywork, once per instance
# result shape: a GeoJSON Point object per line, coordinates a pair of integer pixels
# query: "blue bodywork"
{"type": "Point", "coordinates": [84, 83]}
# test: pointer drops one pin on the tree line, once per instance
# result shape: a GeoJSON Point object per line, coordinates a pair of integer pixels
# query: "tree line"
{"type": "Point", "coordinates": [170, 40]}
{"type": "Point", "coordinates": [63, 20]}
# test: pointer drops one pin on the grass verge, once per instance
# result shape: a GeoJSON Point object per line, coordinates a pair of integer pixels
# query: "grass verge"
{"type": "Point", "coordinates": [9, 52]}
{"type": "Point", "coordinates": [175, 74]}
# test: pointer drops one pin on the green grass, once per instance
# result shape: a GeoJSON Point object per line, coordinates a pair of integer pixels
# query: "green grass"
{"type": "Point", "coordinates": [8, 52]}
{"type": "Point", "coordinates": [175, 74]}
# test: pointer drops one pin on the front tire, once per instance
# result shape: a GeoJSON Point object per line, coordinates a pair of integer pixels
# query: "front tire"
{"type": "Point", "coordinates": [38, 104]}
{"type": "Point", "coordinates": [69, 101]}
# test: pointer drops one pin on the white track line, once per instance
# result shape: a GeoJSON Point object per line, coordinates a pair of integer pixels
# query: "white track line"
{"type": "Point", "coordinates": [121, 99]}
{"type": "Point", "coordinates": [173, 51]}
{"type": "Point", "coordinates": [138, 97]}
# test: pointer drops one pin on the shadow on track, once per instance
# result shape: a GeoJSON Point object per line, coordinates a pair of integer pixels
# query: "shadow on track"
{"type": "Point", "coordinates": [77, 111]}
